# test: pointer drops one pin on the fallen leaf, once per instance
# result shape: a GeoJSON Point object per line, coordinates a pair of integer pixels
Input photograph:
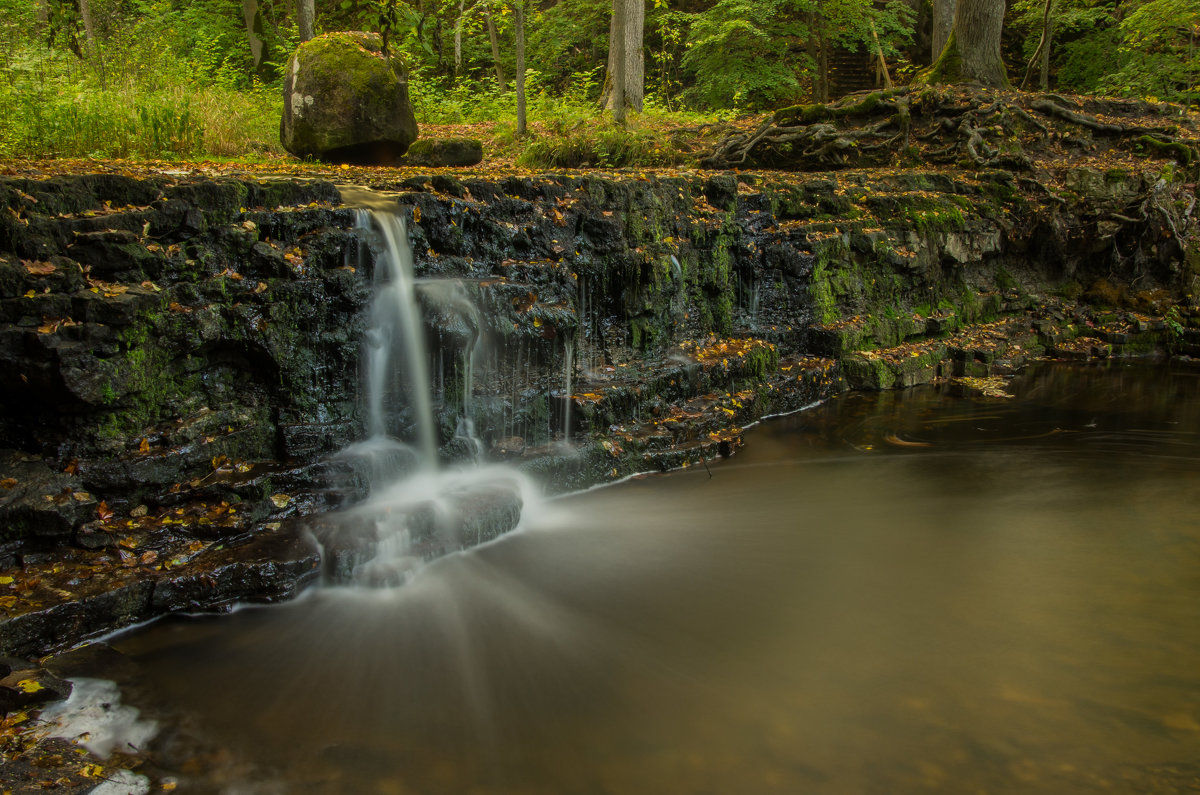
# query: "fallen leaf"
{"type": "Point", "coordinates": [8, 483]}
{"type": "Point", "coordinates": [144, 446]}
{"type": "Point", "coordinates": [39, 268]}
{"type": "Point", "coordinates": [103, 511]}
{"type": "Point", "coordinates": [30, 686]}
{"type": "Point", "coordinates": [281, 500]}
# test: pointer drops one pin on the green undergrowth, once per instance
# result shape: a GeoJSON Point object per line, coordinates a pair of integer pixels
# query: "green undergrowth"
{"type": "Point", "coordinates": [48, 109]}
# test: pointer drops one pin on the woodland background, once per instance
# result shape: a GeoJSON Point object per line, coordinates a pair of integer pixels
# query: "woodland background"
{"type": "Point", "coordinates": [201, 79]}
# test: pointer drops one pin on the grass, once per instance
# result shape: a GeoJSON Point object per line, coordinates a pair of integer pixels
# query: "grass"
{"type": "Point", "coordinates": [51, 106]}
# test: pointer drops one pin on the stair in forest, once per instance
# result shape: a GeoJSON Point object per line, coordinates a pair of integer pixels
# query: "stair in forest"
{"type": "Point", "coordinates": [852, 71]}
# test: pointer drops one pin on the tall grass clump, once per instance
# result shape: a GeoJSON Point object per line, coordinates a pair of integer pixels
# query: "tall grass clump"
{"type": "Point", "coordinates": [158, 88]}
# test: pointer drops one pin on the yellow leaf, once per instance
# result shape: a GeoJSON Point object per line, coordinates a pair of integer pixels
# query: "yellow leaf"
{"type": "Point", "coordinates": [30, 686]}
{"type": "Point", "coordinates": [280, 500]}
{"type": "Point", "coordinates": [417, 214]}
{"type": "Point", "coordinates": [6, 580]}
{"type": "Point", "coordinates": [92, 771]}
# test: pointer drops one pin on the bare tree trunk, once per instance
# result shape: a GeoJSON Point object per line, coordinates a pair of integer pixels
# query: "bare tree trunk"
{"type": "Point", "coordinates": [634, 17]}
{"type": "Point", "coordinates": [253, 30]}
{"type": "Point", "coordinates": [1044, 77]}
{"type": "Point", "coordinates": [306, 12]}
{"type": "Point", "coordinates": [606, 91]}
{"type": "Point", "coordinates": [635, 59]}
{"type": "Point", "coordinates": [495, 40]}
{"type": "Point", "coordinates": [458, 65]}
{"type": "Point", "coordinates": [943, 23]}
{"type": "Point", "coordinates": [883, 68]}
{"type": "Point", "coordinates": [616, 53]}
{"type": "Point", "coordinates": [822, 67]}
{"type": "Point", "coordinates": [977, 28]}
{"type": "Point", "coordinates": [1042, 53]}
{"type": "Point", "coordinates": [519, 12]}
{"type": "Point", "coordinates": [91, 45]}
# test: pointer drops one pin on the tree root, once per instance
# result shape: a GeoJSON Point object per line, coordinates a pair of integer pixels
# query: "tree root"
{"type": "Point", "coordinates": [946, 127]}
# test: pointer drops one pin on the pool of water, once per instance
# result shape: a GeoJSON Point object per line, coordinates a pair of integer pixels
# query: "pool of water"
{"type": "Point", "coordinates": [897, 592]}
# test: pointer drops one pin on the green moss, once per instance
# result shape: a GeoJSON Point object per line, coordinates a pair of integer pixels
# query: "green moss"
{"type": "Point", "coordinates": [1182, 153]}
{"type": "Point", "coordinates": [1005, 280]}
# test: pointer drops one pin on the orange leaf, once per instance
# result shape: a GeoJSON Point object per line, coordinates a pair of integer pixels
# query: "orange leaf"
{"type": "Point", "coordinates": [103, 511]}
{"type": "Point", "coordinates": [39, 268]}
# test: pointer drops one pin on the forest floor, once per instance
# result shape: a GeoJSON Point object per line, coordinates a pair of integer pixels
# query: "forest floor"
{"type": "Point", "coordinates": [1033, 134]}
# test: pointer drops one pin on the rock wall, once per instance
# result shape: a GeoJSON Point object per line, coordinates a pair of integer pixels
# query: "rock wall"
{"type": "Point", "coordinates": [180, 355]}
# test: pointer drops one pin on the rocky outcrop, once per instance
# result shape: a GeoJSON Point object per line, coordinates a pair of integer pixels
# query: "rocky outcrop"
{"type": "Point", "coordinates": [346, 101]}
{"type": "Point", "coordinates": [182, 354]}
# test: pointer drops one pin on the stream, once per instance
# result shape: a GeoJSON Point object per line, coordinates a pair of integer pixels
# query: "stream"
{"type": "Point", "coordinates": [892, 592]}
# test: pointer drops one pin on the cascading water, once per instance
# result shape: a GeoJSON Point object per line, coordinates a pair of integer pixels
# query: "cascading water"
{"type": "Point", "coordinates": [396, 327]}
{"type": "Point", "coordinates": [417, 506]}
{"type": "Point", "coordinates": [568, 372]}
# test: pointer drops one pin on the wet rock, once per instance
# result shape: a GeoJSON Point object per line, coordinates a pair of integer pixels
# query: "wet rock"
{"type": "Point", "coordinates": [274, 565]}
{"type": "Point", "coordinates": [23, 688]}
{"type": "Point", "coordinates": [346, 102]}
{"type": "Point", "coordinates": [37, 502]}
{"type": "Point", "coordinates": [93, 610]}
{"type": "Point", "coordinates": [444, 152]}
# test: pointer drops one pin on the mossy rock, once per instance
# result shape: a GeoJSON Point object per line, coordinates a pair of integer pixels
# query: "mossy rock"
{"type": "Point", "coordinates": [441, 152]}
{"type": "Point", "coordinates": [344, 101]}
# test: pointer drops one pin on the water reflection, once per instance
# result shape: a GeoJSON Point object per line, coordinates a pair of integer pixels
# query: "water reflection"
{"type": "Point", "coordinates": [892, 593]}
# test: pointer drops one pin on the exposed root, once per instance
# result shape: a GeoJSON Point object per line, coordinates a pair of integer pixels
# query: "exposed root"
{"type": "Point", "coordinates": [952, 126]}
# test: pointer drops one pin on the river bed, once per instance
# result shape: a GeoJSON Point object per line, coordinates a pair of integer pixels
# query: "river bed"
{"type": "Point", "coordinates": [892, 592]}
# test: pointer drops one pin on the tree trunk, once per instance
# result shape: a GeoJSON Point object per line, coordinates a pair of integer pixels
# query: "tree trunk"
{"type": "Point", "coordinates": [458, 65]}
{"type": "Point", "coordinates": [634, 18]}
{"type": "Point", "coordinates": [616, 54]}
{"type": "Point", "coordinates": [823, 66]}
{"type": "Point", "coordinates": [943, 23]}
{"type": "Point", "coordinates": [495, 40]}
{"type": "Point", "coordinates": [977, 28]}
{"type": "Point", "coordinates": [91, 44]}
{"type": "Point", "coordinates": [306, 12]}
{"type": "Point", "coordinates": [253, 20]}
{"type": "Point", "coordinates": [519, 13]}
{"type": "Point", "coordinates": [1044, 77]}
{"type": "Point", "coordinates": [635, 59]}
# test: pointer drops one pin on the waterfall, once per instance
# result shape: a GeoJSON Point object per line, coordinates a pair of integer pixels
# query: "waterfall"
{"type": "Point", "coordinates": [396, 332]}
{"type": "Point", "coordinates": [414, 512]}
{"type": "Point", "coordinates": [568, 371]}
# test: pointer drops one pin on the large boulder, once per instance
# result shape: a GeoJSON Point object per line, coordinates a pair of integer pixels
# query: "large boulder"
{"type": "Point", "coordinates": [344, 101]}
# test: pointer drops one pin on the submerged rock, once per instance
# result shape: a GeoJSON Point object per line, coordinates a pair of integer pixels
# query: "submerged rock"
{"type": "Point", "coordinates": [344, 101]}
